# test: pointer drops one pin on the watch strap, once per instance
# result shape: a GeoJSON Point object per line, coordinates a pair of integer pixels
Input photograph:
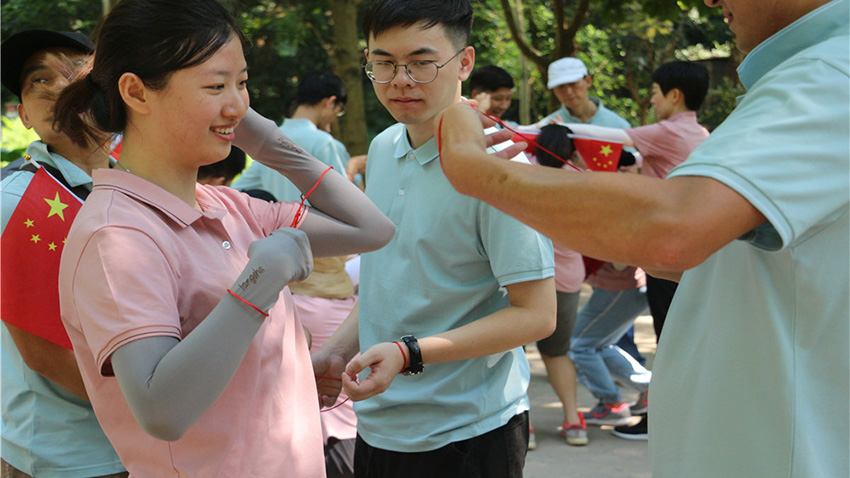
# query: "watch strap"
{"type": "Point", "coordinates": [415, 365]}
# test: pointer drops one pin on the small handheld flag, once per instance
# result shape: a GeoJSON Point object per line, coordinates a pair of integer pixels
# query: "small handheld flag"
{"type": "Point", "coordinates": [599, 155]}
{"type": "Point", "coordinates": [30, 249]}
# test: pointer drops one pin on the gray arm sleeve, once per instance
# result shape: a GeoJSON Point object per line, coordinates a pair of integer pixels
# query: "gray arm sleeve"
{"type": "Point", "coordinates": [350, 222]}
{"type": "Point", "coordinates": [169, 384]}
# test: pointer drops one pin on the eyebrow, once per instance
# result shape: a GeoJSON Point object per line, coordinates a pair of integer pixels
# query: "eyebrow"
{"type": "Point", "coordinates": [226, 72]}
{"type": "Point", "coordinates": [33, 69]}
{"type": "Point", "coordinates": [422, 51]}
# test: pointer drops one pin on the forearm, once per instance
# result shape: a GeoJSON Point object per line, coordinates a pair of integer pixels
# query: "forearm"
{"type": "Point", "coordinates": [670, 225]}
{"type": "Point", "coordinates": [524, 321]}
{"type": "Point", "coordinates": [54, 362]}
{"type": "Point", "coordinates": [360, 224]}
{"type": "Point", "coordinates": [345, 341]}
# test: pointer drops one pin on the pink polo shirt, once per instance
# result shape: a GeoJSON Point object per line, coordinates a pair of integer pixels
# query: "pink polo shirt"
{"type": "Point", "coordinates": [139, 262]}
{"type": "Point", "coordinates": [666, 144]}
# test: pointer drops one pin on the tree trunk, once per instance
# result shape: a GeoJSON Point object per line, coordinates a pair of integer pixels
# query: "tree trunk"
{"type": "Point", "coordinates": [107, 6]}
{"type": "Point", "coordinates": [346, 60]}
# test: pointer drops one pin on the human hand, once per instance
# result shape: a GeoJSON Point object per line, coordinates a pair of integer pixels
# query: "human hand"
{"type": "Point", "coordinates": [274, 261]}
{"type": "Point", "coordinates": [356, 165]}
{"type": "Point", "coordinates": [483, 100]}
{"type": "Point", "coordinates": [328, 369]}
{"type": "Point", "coordinates": [384, 360]}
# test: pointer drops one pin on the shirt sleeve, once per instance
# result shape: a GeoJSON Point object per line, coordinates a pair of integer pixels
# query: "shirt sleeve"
{"type": "Point", "coordinates": [645, 139]}
{"type": "Point", "coordinates": [785, 150]}
{"type": "Point", "coordinates": [517, 253]}
{"type": "Point", "coordinates": [124, 290]}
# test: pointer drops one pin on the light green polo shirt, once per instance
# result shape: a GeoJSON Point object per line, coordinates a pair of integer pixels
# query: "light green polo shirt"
{"type": "Point", "coordinates": [447, 265]}
{"type": "Point", "coordinates": [751, 377]}
{"type": "Point", "coordinates": [46, 431]}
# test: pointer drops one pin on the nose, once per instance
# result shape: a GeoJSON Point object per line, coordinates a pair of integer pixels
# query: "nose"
{"type": "Point", "coordinates": [237, 104]}
{"type": "Point", "coordinates": [402, 78]}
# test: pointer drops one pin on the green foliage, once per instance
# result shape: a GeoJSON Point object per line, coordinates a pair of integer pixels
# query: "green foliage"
{"type": "Point", "coordinates": [720, 102]}
{"type": "Point", "coordinates": [16, 138]}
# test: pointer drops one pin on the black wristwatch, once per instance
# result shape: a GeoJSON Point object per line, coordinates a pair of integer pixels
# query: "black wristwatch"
{"type": "Point", "coordinates": [414, 366]}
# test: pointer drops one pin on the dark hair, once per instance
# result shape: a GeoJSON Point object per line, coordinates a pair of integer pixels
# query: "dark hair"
{"type": "Point", "coordinates": [454, 15]}
{"type": "Point", "coordinates": [227, 168]}
{"type": "Point", "coordinates": [318, 85]}
{"type": "Point", "coordinates": [151, 38]}
{"type": "Point", "coordinates": [554, 138]}
{"type": "Point", "coordinates": [688, 77]}
{"type": "Point", "coordinates": [490, 78]}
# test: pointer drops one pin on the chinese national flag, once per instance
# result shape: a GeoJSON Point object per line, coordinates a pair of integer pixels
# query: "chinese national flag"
{"type": "Point", "coordinates": [599, 155]}
{"type": "Point", "coordinates": [31, 246]}
{"type": "Point", "coordinates": [529, 137]}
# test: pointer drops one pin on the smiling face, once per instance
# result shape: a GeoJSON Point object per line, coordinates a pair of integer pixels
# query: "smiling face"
{"type": "Point", "coordinates": [197, 112]}
{"type": "Point", "coordinates": [417, 104]}
{"type": "Point", "coordinates": [754, 21]}
{"type": "Point", "coordinates": [500, 101]}
{"type": "Point", "coordinates": [45, 75]}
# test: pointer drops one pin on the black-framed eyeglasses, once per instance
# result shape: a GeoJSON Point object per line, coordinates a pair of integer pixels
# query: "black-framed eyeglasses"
{"type": "Point", "coordinates": [421, 72]}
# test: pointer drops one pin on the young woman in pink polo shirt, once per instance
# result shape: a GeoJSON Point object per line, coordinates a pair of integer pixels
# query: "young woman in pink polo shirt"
{"type": "Point", "coordinates": [173, 293]}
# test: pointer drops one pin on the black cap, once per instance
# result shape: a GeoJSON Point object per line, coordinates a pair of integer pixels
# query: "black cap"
{"type": "Point", "coordinates": [17, 49]}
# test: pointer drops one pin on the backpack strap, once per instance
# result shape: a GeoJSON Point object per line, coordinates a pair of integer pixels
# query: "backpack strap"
{"type": "Point", "coordinates": [80, 191]}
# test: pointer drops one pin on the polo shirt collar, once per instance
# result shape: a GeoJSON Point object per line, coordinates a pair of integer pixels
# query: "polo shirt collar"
{"type": "Point", "coordinates": [424, 154]}
{"type": "Point", "coordinates": [810, 29]}
{"type": "Point", "coordinates": [154, 196]}
{"type": "Point", "coordinates": [300, 123]}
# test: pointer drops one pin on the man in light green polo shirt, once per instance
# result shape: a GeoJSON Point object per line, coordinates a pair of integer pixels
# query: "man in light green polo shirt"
{"type": "Point", "coordinates": [753, 370]}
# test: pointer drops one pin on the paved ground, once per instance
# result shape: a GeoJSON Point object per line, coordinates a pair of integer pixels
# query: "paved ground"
{"type": "Point", "coordinates": [606, 456]}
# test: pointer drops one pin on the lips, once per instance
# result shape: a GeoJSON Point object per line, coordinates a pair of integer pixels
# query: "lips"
{"type": "Point", "coordinates": [225, 132]}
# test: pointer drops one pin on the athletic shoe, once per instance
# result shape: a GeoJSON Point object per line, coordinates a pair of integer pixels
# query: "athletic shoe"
{"type": "Point", "coordinates": [576, 433]}
{"type": "Point", "coordinates": [637, 431]}
{"type": "Point", "coordinates": [532, 440]}
{"type": "Point", "coordinates": [607, 414]}
{"type": "Point", "coordinates": [642, 403]}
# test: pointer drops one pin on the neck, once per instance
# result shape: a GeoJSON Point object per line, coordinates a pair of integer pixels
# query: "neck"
{"type": "Point", "coordinates": [158, 167]}
{"type": "Point", "coordinates": [585, 111]}
{"type": "Point", "coordinates": [311, 113]}
{"type": "Point", "coordinates": [86, 158]}
{"type": "Point", "coordinates": [419, 134]}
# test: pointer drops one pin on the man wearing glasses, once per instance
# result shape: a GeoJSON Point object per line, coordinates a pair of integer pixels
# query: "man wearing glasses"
{"type": "Point", "coordinates": [321, 100]}
{"type": "Point", "coordinates": [450, 301]}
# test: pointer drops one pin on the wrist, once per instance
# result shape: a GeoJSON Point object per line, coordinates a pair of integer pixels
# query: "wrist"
{"type": "Point", "coordinates": [414, 356]}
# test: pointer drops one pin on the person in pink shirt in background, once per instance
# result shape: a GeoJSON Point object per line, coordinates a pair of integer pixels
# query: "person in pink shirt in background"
{"type": "Point", "coordinates": [174, 293]}
{"type": "Point", "coordinates": [678, 90]}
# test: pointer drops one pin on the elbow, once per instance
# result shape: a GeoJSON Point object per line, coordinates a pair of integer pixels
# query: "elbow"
{"type": "Point", "coordinates": [673, 250]}
{"type": "Point", "coordinates": [381, 236]}
{"type": "Point", "coordinates": [162, 428]}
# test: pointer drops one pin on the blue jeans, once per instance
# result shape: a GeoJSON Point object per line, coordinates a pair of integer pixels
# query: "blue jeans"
{"type": "Point", "coordinates": [598, 361]}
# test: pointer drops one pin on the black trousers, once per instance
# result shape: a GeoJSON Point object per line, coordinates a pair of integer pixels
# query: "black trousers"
{"type": "Point", "coordinates": [496, 454]}
{"type": "Point", "coordinates": [659, 294]}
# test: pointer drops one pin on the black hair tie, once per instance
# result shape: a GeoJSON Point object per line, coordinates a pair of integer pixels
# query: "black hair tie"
{"type": "Point", "coordinates": [90, 84]}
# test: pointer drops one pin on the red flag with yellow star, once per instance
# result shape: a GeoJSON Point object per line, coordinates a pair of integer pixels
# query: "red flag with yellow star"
{"type": "Point", "coordinates": [598, 155]}
{"type": "Point", "coordinates": [30, 249]}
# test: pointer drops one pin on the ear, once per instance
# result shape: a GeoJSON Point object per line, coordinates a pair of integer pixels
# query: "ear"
{"type": "Point", "coordinates": [467, 63]}
{"type": "Point", "coordinates": [22, 114]}
{"type": "Point", "coordinates": [329, 102]}
{"type": "Point", "coordinates": [589, 80]}
{"type": "Point", "coordinates": [676, 96]}
{"type": "Point", "coordinates": [134, 93]}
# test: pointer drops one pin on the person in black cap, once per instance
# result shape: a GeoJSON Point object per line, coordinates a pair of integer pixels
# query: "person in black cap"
{"type": "Point", "coordinates": [48, 424]}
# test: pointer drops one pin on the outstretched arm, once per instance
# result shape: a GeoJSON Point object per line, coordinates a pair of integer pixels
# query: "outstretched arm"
{"type": "Point", "coordinates": [667, 225]}
{"type": "Point", "coordinates": [529, 317]}
{"type": "Point", "coordinates": [350, 222]}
